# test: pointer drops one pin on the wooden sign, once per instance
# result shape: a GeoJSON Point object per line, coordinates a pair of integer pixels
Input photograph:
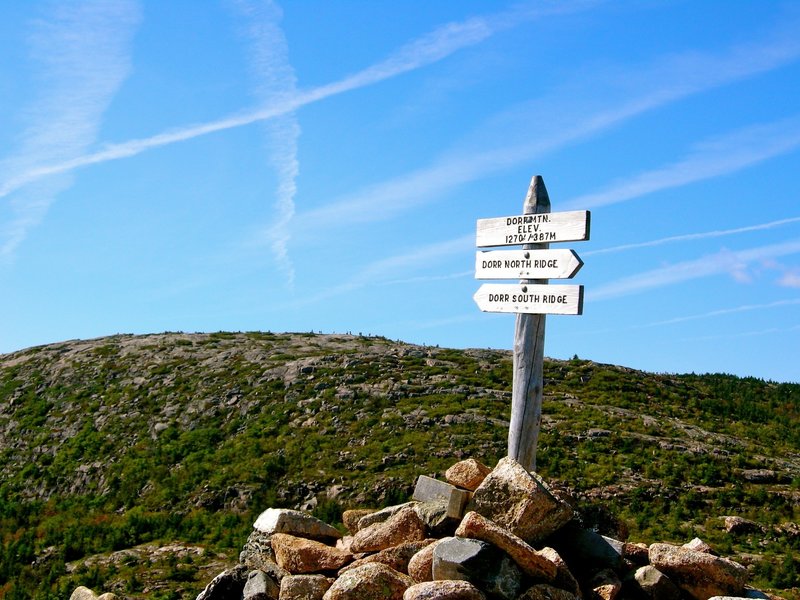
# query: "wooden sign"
{"type": "Point", "coordinates": [529, 298]}
{"type": "Point", "coordinates": [539, 228]}
{"type": "Point", "coordinates": [527, 264]}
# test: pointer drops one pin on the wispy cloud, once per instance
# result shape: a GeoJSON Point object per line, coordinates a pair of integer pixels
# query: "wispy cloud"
{"type": "Point", "coordinates": [275, 83]}
{"type": "Point", "coordinates": [732, 263]}
{"type": "Point", "coordinates": [713, 158]}
{"type": "Point", "coordinates": [790, 279]}
{"type": "Point", "coordinates": [727, 311]}
{"type": "Point", "coordinates": [693, 236]}
{"type": "Point", "coordinates": [744, 334]}
{"type": "Point", "coordinates": [426, 50]}
{"type": "Point", "coordinates": [398, 269]}
{"type": "Point", "coordinates": [80, 52]}
{"type": "Point", "coordinates": [635, 92]}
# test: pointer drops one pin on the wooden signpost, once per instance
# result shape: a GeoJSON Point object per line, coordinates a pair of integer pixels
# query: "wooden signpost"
{"type": "Point", "coordinates": [531, 299]}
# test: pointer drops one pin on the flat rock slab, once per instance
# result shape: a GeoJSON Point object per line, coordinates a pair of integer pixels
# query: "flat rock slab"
{"type": "Point", "coordinates": [520, 502]}
{"type": "Point", "coordinates": [294, 522]}
{"type": "Point", "coordinates": [455, 499]}
{"type": "Point", "coordinates": [443, 590]}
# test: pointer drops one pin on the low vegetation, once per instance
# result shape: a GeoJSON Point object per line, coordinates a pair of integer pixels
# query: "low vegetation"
{"type": "Point", "coordinates": [137, 464]}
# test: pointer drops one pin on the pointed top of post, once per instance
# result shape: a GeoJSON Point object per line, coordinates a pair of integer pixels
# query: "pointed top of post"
{"type": "Point", "coordinates": [537, 201]}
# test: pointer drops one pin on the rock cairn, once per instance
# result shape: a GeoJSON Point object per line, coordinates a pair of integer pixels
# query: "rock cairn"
{"type": "Point", "coordinates": [484, 534]}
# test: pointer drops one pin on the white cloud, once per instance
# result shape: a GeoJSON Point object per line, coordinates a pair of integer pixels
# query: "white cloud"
{"type": "Point", "coordinates": [419, 53]}
{"type": "Point", "coordinates": [728, 311]}
{"type": "Point", "coordinates": [693, 236]}
{"type": "Point", "coordinates": [561, 123]}
{"type": "Point", "coordinates": [790, 279]}
{"type": "Point", "coordinates": [721, 156]}
{"type": "Point", "coordinates": [744, 334]}
{"type": "Point", "coordinates": [81, 54]}
{"type": "Point", "coordinates": [275, 80]}
{"type": "Point", "coordinates": [735, 264]}
{"type": "Point", "coordinates": [398, 269]}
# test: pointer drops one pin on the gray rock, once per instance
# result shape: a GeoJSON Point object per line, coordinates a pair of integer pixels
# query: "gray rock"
{"type": "Point", "coordinates": [260, 587]}
{"type": "Point", "coordinates": [257, 554]}
{"type": "Point", "coordinates": [520, 502]}
{"type": "Point", "coordinates": [749, 594]}
{"type": "Point", "coordinates": [586, 551]}
{"type": "Point", "coordinates": [226, 585]}
{"type": "Point", "coordinates": [434, 514]}
{"type": "Point", "coordinates": [738, 525]}
{"type": "Point", "coordinates": [698, 545]}
{"type": "Point", "coordinates": [480, 563]}
{"type": "Point", "coordinates": [84, 593]}
{"type": "Point", "coordinates": [296, 523]}
{"type": "Point", "coordinates": [655, 585]}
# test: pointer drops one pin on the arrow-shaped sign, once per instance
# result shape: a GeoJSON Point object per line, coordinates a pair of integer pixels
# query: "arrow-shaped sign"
{"type": "Point", "coordinates": [527, 264]}
{"type": "Point", "coordinates": [530, 298]}
{"type": "Point", "coordinates": [569, 226]}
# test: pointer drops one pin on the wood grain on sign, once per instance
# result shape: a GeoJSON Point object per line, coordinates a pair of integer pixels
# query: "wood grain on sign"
{"type": "Point", "coordinates": [534, 228]}
{"type": "Point", "coordinates": [527, 264]}
{"type": "Point", "coordinates": [532, 299]}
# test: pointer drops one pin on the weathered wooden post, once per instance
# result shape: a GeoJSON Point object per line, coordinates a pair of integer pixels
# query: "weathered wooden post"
{"type": "Point", "coordinates": [528, 378]}
{"type": "Point", "coordinates": [531, 299]}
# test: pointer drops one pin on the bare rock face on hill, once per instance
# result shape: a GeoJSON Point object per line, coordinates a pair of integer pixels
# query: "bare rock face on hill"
{"type": "Point", "coordinates": [501, 547]}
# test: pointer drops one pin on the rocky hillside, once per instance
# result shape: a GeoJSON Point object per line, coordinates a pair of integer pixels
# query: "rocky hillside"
{"type": "Point", "coordinates": [138, 463]}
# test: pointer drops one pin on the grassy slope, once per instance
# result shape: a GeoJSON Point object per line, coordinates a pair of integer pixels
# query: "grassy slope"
{"type": "Point", "coordinates": [113, 443]}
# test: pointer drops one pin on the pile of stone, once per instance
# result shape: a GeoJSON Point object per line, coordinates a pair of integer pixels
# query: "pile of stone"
{"type": "Point", "coordinates": [484, 534]}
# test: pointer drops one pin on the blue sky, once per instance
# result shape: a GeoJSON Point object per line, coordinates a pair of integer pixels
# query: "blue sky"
{"type": "Point", "coordinates": [320, 166]}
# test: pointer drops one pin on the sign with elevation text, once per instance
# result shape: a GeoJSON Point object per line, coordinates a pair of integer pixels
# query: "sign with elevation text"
{"type": "Point", "coordinates": [527, 264]}
{"type": "Point", "coordinates": [569, 226]}
{"type": "Point", "coordinates": [531, 298]}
